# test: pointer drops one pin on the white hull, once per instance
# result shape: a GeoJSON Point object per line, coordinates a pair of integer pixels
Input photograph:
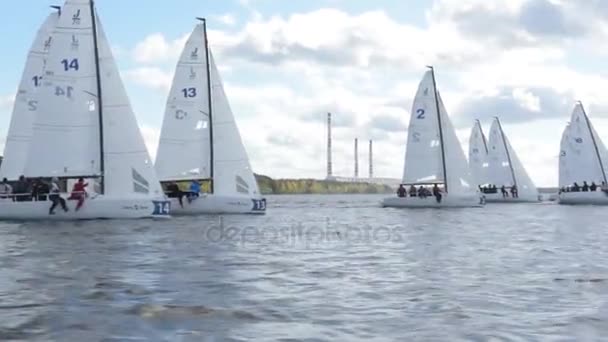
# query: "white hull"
{"type": "Point", "coordinates": [99, 207]}
{"type": "Point", "coordinates": [497, 198]}
{"type": "Point", "coordinates": [217, 204]}
{"type": "Point", "coordinates": [593, 198]}
{"type": "Point", "coordinates": [458, 201]}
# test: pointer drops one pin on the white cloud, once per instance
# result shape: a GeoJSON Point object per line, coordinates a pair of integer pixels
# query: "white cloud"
{"type": "Point", "coordinates": [6, 102]}
{"type": "Point", "coordinates": [151, 77]}
{"type": "Point", "coordinates": [156, 48]}
{"type": "Point", "coordinates": [227, 19]}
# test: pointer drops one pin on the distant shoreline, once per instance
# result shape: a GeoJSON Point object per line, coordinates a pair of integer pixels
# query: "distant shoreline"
{"type": "Point", "coordinates": [269, 186]}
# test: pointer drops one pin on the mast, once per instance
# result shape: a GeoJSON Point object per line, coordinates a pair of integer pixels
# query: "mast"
{"type": "Point", "coordinates": [210, 109]}
{"type": "Point", "coordinates": [99, 96]}
{"type": "Point", "coordinates": [445, 176]}
{"type": "Point", "coordinates": [597, 151]}
{"type": "Point", "coordinates": [483, 137]}
{"type": "Point", "coordinates": [504, 142]}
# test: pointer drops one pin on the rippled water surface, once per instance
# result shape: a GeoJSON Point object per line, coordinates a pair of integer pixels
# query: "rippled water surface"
{"type": "Point", "coordinates": [315, 268]}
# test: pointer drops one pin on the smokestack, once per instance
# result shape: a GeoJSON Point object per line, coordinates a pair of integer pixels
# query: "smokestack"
{"type": "Point", "coordinates": [329, 166]}
{"type": "Point", "coordinates": [371, 161]}
{"type": "Point", "coordinates": [356, 158]}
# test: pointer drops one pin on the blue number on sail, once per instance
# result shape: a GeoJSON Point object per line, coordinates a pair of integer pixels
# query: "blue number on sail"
{"type": "Point", "coordinates": [70, 64]}
{"type": "Point", "coordinates": [189, 92]}
{"type": "Point", "coordinates": [420, 113]}
{"type": "Point", "coordinates": [59, 91]}
{"type": "Point", "coordinates": [36, 80]}
{"type": "Point", "coordinates": [259, 205]}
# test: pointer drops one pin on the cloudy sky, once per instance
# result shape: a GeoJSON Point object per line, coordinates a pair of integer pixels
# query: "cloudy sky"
{"type": "Point", "coordinates": [286, 63]}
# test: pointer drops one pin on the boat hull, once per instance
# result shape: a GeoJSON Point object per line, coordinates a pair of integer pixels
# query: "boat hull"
{"type": "Point", "coordinates": [99, 207]}
{"type": "Point", "coordinates": [583, 198]}
{"type": "Point", "coordinates": [218, 204]}
{"type": "Point", "coordinates": [497, 198]}
{"type": "Point", "coordinates": [465, 201]}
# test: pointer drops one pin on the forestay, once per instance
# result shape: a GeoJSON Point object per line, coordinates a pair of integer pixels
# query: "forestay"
{"type": "Point", "coordinates": [233, 173]}
{"type": "Point", "coordinates": [67, 135]}
{"type": "Point", "coordinates": [584, 158]}
{"type": "Point", "coordinates": [183, 150]}
{"type": "Point", "coordinates": [478, 154]}
{"type": "Point", "coordinates": [26, 102]}
{"type": "Point", "coordinates": [423, 160]}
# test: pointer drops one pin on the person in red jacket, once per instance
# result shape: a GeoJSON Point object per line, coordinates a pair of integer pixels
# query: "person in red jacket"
{"type": "Point", "coordinates": [79, 192]}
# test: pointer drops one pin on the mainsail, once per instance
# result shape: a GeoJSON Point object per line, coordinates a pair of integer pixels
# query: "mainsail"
{"type": "Point", "coordinates": [85, 126]}
{"type": "Point", "coordinates": [434, 153]}
{"type": "Point", "coordinates": [212, 150]}
{"type": "Point", "coordinates": [505, 168]}
{"type": "Point", "coordinates": [26, 102]}
{"type": "Point", "coordinates": [587, 153]}
{"type": "Point", "coordinates": [478, 155]}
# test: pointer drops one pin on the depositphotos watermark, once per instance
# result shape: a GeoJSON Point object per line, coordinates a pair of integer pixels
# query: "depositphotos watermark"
{"type": "Point", "coordinates": [300, 233]}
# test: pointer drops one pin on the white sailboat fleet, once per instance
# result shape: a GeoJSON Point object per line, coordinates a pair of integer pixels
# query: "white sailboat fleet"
{"type": "Point", "coordinates": [436, 172]}
{"type": "Point", "coordinates": [497, 170]}
{"type": "Point", "coordinates": [200, 140]}
{"type": "Point", "coordinates": [72, 120]}
{"type": "Point", "coordinates": [582, 162]}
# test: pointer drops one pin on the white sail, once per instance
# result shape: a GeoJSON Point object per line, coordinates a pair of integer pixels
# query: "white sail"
{"type": "Point", "coordinates": [233, 173]}
{"type": "Point", "coordinates": [66, 138]}
{"type": "Point", "coordinates": [423, 160]}
{"type": "Point", "coordinates": [586, 166]}
{"type": "Point", "coordinates": [26, 103]}
{"type": "Point", "coordinates": [183, 150]}
{"type": "Point", "coordinates": [457, 167]}
{"type": "Point", "coordinates": [128, 166]}
{"type": "Point", "coordinates": [505, 168]}
{"type": "Point", "coordinates": [566, 176]}
{"type": "Point", "coordinates": [478, 155]}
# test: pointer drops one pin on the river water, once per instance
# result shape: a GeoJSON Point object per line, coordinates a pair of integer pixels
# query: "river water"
{"type": "Point", "coordinates": [315, 268]}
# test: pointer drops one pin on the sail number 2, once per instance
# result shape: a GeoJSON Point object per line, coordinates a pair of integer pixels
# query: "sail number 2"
{"type": "Point", "coordinates": [420, 114]}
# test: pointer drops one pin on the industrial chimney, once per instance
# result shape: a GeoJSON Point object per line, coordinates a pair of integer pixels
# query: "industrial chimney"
{"type": "Point", "coordinates": [356, 158]}
{"type": "Point", "coordinates": [329, 166]}
{"type": "Point", "coordinates": [371, 161]}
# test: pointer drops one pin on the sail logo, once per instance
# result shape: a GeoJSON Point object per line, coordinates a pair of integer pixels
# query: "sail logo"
{"type": "Point", "coordinates": [75, 42]}
{"type": "Point", "coordinates": [579, 140]}
{"type": "Point", "coordinates": [241, 185]}
{"type": "Point", "coordinates": [140, 184]}
{"type": "Point", "coordinates": [76, 18]}
{"type": "Point", "coordinates": [426, 92]}
{"type": "Point", "coordinates": [192, 73]}
{"type": "Point", "coordinates": [180, 114]}
{"type": "Point", "coordinates": [194, 54]}
{"type": "Point", "coordinates": [47, 43]}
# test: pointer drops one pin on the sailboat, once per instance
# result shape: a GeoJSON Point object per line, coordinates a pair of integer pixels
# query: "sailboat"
{"type": "Point", "coordinates": [26, 102]}
{"type": "Point", "coordinates": [582, 160]}
{"type": "Point", "coordinates": [478, 155]}
{"type": "Point", "coordinates": [434, 157]}
{"type": "Point", "coordinates": [85, 128]}
{"type": "Point", "coordinates": [505, 169]}
{"type": "Point", "coordinates": [200, 140]}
